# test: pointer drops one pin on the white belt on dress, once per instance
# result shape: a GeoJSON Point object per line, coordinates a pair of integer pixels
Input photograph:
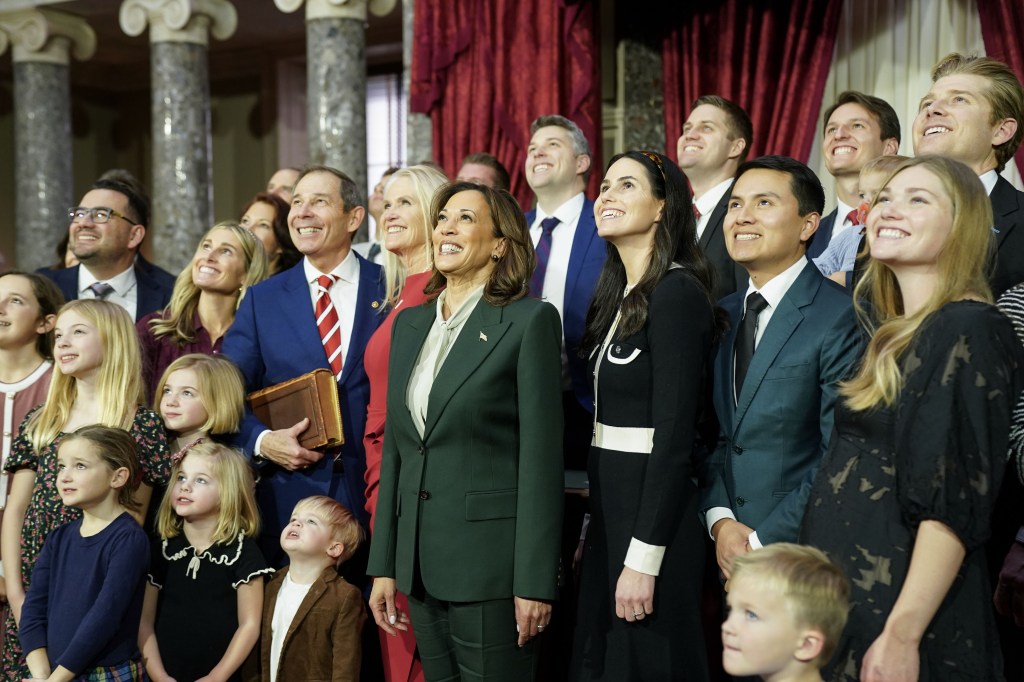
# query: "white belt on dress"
{"type": "Point", "coordinates": [624, 439]}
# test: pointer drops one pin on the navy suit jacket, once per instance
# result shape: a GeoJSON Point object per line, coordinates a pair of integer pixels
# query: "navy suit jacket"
{"type": "Point", "coordinates": [1008, 216]}
{"type": "Point", "coordinates": [154, 285]}
{"type": "Point", "coordinates": [274, 338]}
{"type": "Point", "coordinates": [822, 236]}
{"type": "Point", "coordinates": [585, 262]}
{"type": "Point", "coordinates": [773, 439]}
{"type": "Point", "coordinates": [729, 275]}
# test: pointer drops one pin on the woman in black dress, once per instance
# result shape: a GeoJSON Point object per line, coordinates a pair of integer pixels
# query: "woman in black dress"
{"type": "Point", "coordinates": [649, 335]}
{"type": "Point", "coordinates": [903, 499]}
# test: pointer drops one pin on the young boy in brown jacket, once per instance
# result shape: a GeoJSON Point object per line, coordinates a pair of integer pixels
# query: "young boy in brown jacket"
{"type": "Point", "coordinates": [312, 618]}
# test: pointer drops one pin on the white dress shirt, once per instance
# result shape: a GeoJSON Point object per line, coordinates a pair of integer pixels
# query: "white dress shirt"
{"type": "Point", "coordinates": [344, 293]}
{"type": "Point", "coordinates": [707, 202]}
{"type": "Point", "coordinates": [773, 291]}
{"type": "Point", "coordinates": [557, 272]}
{"type": "Point", "coordinates": [989, 180]}
{"type": "Point", "coordinates": [125, 293]}
{"type": "Point", "coordinates": [843, 221]}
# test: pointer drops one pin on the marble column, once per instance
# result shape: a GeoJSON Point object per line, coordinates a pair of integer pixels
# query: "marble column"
{"type": "Point", "coordinates": [42, 41]}
{"type": "Point", "coordinates": [182, 166]}
{"type": "Point", "coordinates": [641, 96]}
{"type": "Point", "coordinates": [419, 143]}
{"type": "Point", "coordinates": [336, 81]}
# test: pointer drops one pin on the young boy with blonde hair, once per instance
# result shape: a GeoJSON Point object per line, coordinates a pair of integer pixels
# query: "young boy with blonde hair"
{"type": "Point", "coordinates": [787, 608]}
{"type": "Point", "coordinates": [839, 259]}
{"type": "Point", "coordinates": [312, 618]}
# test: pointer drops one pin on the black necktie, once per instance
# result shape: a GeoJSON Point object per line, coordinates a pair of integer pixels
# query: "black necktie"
{"type": "Point", "coordinates": [745, 338]}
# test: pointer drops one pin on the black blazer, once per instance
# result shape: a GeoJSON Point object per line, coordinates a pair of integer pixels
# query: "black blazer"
{"type": "Point", "coordinates": [154, 284]}
{"type": "Point", "coordinates": [729, 275]}
{"type": "Point", "coordinates": [1008, 216]}
{"type": "Point", "coordinates": [823, 235]}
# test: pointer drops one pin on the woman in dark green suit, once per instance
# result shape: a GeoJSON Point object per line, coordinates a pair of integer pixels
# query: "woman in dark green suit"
{"type": "Point", "coordinates": [470, 504]}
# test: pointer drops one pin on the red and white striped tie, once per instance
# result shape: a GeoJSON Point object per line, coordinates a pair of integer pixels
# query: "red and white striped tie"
{"type": "Point", "coordinates": [328, 323]}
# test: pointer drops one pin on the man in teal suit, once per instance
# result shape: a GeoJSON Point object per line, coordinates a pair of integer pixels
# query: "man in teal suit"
{"type": "Point", "coordinates": [793, 337]}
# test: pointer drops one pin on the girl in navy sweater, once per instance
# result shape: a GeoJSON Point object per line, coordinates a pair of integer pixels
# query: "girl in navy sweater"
{"type": "Point", "coordinates": [81, 614]}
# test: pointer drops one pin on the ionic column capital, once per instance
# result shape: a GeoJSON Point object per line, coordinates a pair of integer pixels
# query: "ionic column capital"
{"type": "Point", "coordinates": [179, 21]}
{"type": "Point", "coordinates": [338, 9]}
{"type": "Point", "coordinates": [44, 35]}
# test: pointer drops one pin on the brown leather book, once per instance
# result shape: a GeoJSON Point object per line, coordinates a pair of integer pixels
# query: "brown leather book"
{"type": "Point", "coordinates": [313, 395]}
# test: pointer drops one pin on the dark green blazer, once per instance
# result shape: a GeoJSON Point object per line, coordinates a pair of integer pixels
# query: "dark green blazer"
{"type": "Point", "coordinates": [479, 497]}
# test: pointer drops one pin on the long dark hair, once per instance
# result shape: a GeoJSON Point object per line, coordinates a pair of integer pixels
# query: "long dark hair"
{"type": "Point", "coordinates": [675, 241]}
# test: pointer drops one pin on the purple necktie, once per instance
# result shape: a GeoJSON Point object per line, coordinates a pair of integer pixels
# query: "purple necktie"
{"type": "Point", "coordinates": [543, 250]}
{"type": "Point", "coordinates": [101, 289]}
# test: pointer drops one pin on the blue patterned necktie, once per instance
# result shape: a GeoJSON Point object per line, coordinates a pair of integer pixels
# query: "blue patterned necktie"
{"type": "Point", "coordinates": [101, 289]}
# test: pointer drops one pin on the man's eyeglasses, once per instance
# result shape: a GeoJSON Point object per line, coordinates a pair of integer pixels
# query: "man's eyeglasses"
{"type": "Point", "coordinates": [99, 215]}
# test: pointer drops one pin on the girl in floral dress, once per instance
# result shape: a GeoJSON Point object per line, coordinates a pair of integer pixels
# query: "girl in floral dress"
{"type": "Point", "coordinates": [97, 379]}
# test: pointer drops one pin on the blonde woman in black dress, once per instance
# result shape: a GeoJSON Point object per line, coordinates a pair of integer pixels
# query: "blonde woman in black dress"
{"type": "Point", "coordinates": [903, 499]}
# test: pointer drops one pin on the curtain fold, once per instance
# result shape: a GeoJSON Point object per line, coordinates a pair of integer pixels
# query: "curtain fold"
{"type": "Point", "coordinates": [772, 58]}
{"type": "Point", "coordinates": [887, 48]}
{"type": "Point", "coordinates": [1002, 23]}
{"type": "Point", "coordinates": [484, 70]}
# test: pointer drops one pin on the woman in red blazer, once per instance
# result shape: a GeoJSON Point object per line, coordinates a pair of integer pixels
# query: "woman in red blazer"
{"type": "Point", "coordinates": [404, 230]}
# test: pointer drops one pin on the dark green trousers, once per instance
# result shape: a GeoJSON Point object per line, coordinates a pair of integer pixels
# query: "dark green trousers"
{"type": "Point", "coordinates": [470, 641]}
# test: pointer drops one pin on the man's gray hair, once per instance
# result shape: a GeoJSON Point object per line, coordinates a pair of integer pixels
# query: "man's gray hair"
{"type": "Point", "coordinates": [579, 142]}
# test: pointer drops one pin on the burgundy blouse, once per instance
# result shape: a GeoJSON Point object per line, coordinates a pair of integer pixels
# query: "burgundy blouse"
{"type": "Point", "coordinates": [158, 353]}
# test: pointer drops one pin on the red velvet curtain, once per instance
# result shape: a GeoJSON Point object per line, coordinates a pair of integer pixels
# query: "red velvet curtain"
{"type": "Point", "coordinates": [1002, 24]}
{"type": "Point", "coordinates": [770, 57]}
{"type": "Point", "coordinates": [484, 69]}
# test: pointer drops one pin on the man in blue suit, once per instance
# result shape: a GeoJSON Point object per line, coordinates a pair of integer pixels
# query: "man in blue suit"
{"type": "Point", "coordinates": [793, 337]}
{"type": "Point", "coordinates": [275, 337]}
{"type": "Point", "coordinates": [106, 230]}
{"type": "Point", "coordinates": [856, 129]}
{"type": "Point", "coordinates": [570, 256]}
